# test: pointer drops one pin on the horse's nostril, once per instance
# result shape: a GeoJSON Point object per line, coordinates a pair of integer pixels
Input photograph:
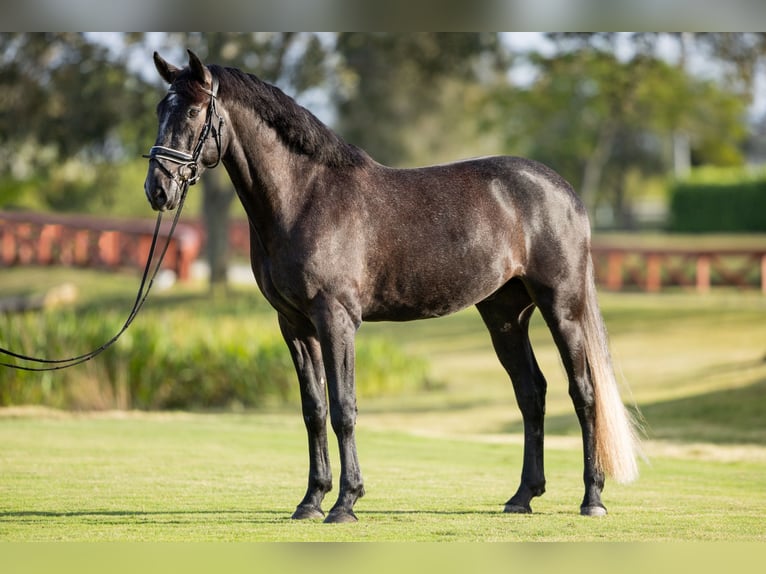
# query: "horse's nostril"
{"type": "Point", "coordinates": [160, 197]}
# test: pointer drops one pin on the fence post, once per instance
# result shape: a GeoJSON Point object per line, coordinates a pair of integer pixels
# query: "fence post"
{"type": "Point", "coordinates": [703, 273]}
{"type": "Point", "coordinates": [763, 273]}
{"type": "Point", "coordinates": [9, 244]}
{"type": "Point", "coordinates": [109, 248]}
{"type": "Point", "coordinates": [653, 273]}
{"type": "Point", "coordinates": [81, 241]}
{"type": "Point", "coordinates": [614, 271]}
{"type": "Point", "coordinates": [49, 235]}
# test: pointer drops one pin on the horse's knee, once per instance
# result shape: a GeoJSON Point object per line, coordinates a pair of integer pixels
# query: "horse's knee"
{"type": "Point", "coordinates": [315, 418]}
{"type": "Point", "coordinates": [343, 418]}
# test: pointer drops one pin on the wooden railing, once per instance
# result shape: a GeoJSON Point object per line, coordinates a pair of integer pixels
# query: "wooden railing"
{"type": "Point", "coordinates": [52, 239]}
{"type": "Point", "coordinates": [622, 266]}
{"type": "Point", "coordinates": [83, 241]}
{"type": "Point", "coordinates": [652, 269]}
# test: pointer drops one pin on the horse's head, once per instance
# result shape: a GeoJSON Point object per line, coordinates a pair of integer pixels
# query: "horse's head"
{"type": "Point", "coordinates": [189, 137]}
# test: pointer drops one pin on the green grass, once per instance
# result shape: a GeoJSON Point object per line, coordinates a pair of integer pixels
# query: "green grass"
{"type": "Point", "coordinates": [659, 240]}
{"type": "Point", "coordinates": [438, 464]}
{"type": "Point", "coordinates": [178, 477]}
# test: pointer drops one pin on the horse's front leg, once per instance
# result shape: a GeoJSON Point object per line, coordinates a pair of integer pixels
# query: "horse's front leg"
{"type": "Point", "coordinates": [307, 357]}
{"type": "Point", "coordinates": [336, 330]}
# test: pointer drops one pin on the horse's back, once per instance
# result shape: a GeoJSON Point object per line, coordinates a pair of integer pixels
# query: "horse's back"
{"type": "Point", "coordinates": [523, 184]}
{"type": "Point", "coordinates": [445, 237]}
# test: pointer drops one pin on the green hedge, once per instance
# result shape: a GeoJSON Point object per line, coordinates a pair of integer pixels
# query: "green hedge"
{"type": "Point", "coordinates": [698, 207]}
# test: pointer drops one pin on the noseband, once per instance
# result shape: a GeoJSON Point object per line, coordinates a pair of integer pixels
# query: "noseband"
{"type": "Point", "coordinates": [188, 163]}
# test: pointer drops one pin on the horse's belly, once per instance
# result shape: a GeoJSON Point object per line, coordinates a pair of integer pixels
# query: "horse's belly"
{"type": "Point", "coordinates": [408, 296]}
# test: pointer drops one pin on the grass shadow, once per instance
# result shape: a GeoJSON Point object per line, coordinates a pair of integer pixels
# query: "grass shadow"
{"type": "Point", "coordinates": [727, 416]}
{"type": "Point", "coordinates": [107, 513]}
{"type": "Point", "coordinates": [158, 517]}
{"type": "Point", "coordinates": [730, 416]}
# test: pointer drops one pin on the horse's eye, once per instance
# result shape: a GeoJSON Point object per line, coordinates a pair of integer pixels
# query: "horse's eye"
{"type": "Point", "coordinates": [193, 112]}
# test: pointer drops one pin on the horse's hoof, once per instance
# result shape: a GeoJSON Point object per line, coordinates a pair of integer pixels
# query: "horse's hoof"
{"type": "Point", "coordinates": [593, 511]}
{"type": "Point", "coordinates": [340, 516]}
{"type": "Point", "coordinates": [517, 509]}
{"type": "Point", "coordinates": [307, 512]}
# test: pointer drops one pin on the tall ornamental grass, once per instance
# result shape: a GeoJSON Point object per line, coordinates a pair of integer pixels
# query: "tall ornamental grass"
{"type": "Point", "coordinates": [176, 359]}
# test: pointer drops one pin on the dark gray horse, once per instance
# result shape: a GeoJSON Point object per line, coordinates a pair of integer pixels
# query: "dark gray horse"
{"type": "Point", "coordinates": [337, 239]}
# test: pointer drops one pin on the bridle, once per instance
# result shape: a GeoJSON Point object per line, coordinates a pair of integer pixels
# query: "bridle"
{"type": "Point", "coordinates": [187, 172]}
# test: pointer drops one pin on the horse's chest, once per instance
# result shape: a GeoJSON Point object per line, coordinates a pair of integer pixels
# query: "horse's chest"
{"type": "Point", "coordinates": [273, 286]}
{"type": "Point", "coordinates": [290, 284]}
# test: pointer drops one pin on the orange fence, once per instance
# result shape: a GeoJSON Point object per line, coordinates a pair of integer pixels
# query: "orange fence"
{"type": "Point", "coordinates": [52, 239]}
{"type": "Point", "coordinates": [83, 241]}
{"type": "Point", "coordinates": [651, 269]}
{"type": "Point", "coordinates": [633, 267]}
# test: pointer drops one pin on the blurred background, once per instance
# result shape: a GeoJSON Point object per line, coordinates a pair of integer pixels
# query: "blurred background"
{"type": "Point", "coordinates": [662, 134]}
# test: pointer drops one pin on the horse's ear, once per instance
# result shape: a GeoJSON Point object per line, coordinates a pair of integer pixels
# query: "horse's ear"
{"type": "Point", "coordinates": [166, 70]}
{"type": "Point", "coordinates": [200, 71]}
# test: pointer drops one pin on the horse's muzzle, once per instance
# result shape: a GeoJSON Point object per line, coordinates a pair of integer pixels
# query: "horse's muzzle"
{"type": "Point", "coordinates": [161, 197]}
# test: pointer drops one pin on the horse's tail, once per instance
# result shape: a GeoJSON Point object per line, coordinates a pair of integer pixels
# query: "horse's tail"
{"type": "Point", "coordinates": [616, 435]}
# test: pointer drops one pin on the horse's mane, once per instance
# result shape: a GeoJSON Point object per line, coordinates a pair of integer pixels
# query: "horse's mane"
{"type": "Point", "coordinates": [298, 128]}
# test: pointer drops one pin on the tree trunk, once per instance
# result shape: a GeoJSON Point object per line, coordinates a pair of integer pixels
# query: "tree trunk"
{"type": "Point", "coordinates": [682, 154]}
{"type": "Point", "coordinates": [217, 195]}
{"type": "Point", "coordinates": [623, 210]}
{"type": "Point", "coordinates": [594, 165]}
{"type": "Point", "coordinates": [682, 163]}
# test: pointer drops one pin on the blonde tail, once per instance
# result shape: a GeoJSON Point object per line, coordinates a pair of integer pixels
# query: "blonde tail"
{"type": "Point", "coordinates": [616, 436]}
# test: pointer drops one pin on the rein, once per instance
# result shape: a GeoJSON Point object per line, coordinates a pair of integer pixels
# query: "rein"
{"type": "Point", "coordinates": [187, 174]}
{"type": "Point", "coordinates": [143, 293]}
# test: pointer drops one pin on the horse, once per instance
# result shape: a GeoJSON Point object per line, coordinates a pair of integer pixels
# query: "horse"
{"type": "Point", "coordinates": [337, 238]}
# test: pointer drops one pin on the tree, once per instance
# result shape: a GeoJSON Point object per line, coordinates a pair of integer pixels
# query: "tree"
{"type": "Point", "coordinates": [596, 113]}
{"type": "Point", "coordinates": [738, 54]}
{"type": "Point", "coordinates": [389, 85]}
{"type": "Point", "coordinates": [62, 97]}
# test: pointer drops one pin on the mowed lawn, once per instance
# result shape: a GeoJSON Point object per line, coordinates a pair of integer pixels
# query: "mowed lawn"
{"type": "Point", "coordinates": [227, 477]}
{"type": "Point", "coordinates": [438, 463]}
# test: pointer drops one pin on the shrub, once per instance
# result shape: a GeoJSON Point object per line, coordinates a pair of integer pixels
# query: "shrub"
{"type": "Point", "coordinates": [723, 204]}
{"type": "Point", "coordinates": [176, 360]}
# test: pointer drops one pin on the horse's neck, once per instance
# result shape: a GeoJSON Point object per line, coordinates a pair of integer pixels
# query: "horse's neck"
{"type": "Point", "coordinates": [263, 171]}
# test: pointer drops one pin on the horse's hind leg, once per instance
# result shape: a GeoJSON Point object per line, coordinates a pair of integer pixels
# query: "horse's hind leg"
{"type": "Point", "coordinates": [307, 357]}
{"type": "Point", "coordinates": [507, 315]}
{"type": "Point", "coordinates": [562, 310]}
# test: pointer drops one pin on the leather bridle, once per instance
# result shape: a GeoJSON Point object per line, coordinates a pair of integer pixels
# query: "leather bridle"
{"type": "Point", "coordinates": [188, 171]}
